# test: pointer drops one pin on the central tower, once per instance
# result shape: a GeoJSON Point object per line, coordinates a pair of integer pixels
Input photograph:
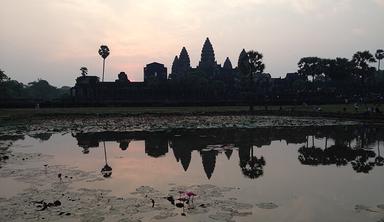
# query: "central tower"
{"type": "Point", "coordinates": [207, 62]}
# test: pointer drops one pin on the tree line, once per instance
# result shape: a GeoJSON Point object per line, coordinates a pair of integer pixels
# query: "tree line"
{"type": "Point", "coordinates": [39, 90]}
{"type": "Point", "coordinates": [344, 77]}
{"type": "Point", "coordinates": [340, 77]}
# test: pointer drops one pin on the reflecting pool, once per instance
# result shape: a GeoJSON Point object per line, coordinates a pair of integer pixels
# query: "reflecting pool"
{"type": "Point", "coordinates": [329, 173]}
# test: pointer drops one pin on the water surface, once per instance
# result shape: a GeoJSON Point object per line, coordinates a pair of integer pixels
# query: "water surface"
{"type": "Point", "coordinates": [310, 173]}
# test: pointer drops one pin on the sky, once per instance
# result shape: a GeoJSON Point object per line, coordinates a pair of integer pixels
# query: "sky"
{"type": "Point", "coordinates": [53, 39]}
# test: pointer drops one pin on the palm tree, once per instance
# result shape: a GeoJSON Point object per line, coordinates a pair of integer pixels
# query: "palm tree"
{"type": "Point", "coordinates": [361, 67]}
{"type": "Point", "coordinates": [250, 65]}
{"type": "Point", "coordinates": [379, 56]}
{"type": "Point", "coordinates": [84, 71]}
{"type": "Point", "coordinates": [104, 53]}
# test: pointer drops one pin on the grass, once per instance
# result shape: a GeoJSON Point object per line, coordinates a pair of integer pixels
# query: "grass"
{"type": "Point", "coordinates": [117, 111]}
{"type": "Point", "coordinates": [126, 111]}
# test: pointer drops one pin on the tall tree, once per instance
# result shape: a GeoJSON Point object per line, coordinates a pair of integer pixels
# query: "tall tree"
{"type": "Point", "coordinates": [379, 56]}
{"type": "Point", "coordinates": [250, 65]}
{"type": "Point", "coordinates": [310, 66]}
{"type": "Point", "coordinates": [338, 69]}
{"type": "Point", "coordinates": [10, 89]}
{"type": "Point", "coordinates": [84, 71]}
{"type": "Point", "coordinates": [3, 77]}
{"type": "Point", "coordinates": [104, 53]}
{"type": "Point", "coordinates": [361, 67]}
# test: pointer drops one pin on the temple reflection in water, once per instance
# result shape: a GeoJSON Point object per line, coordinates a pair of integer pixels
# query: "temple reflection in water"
{"type": "Point", "coordinates": [358, 146]}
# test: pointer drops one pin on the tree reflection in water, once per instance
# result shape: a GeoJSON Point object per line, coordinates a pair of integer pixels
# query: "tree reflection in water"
{"type": "Point", "coordinates": [360, 156]}
{"type": "Point", "coordinates": [251, 166]}
{"type": "Point", "coordinates": [339, 155]}
{"type": "Point", "coordinates": [344, 145]}
{"type": "Point", "coordinates": [124, 144]}
{"type": "Point", "coordinates": [106, 171]}
{"type": "Point", "coordinates": [379, 160]}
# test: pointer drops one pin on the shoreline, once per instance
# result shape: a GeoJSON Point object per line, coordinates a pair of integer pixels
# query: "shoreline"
{"type": "Point", "coordinates": [151, 123]}
{"type": "Point", "coordinates": [328, 111]}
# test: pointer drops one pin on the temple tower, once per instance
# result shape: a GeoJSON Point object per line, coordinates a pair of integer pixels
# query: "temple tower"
{"type": "Point", "coordinates": [227, 64]}
{"type": "Point", "coordinates": [184, 61]}
{"type": "Point", "coordinates": [207, 62]}
{"type": "Point", "coordinates": [227, 73]}
{"type": "Point", "coordinates": [175, 66]}
{"type": "Point", "coordinates": [242, 54]}
{"type": "Point", "coordinates": [181, 64]}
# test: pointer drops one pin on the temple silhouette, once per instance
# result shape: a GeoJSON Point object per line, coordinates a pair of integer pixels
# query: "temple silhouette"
{"type": "Point", "coordinates": [210, 143]}
{"type": "Point", "coordinates": [209, 82]}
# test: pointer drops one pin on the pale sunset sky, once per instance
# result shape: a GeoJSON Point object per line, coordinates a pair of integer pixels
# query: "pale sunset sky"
{"type": "Point", "coordinates": [52, 39]}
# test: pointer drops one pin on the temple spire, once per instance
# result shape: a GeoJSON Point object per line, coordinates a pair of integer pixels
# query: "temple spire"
{"type": "Point", "coordinates": [184, 61]}
{"type": "Point", "coordinates": [184, 58]}
{"type": "Point", "coordinates": [227, 64]}
{"type": "Point", "coordinates": [207, 62]}
{"type": "Point", "coordinates": [242, 54]}
{"type": "Point", "coordinates": [175, 65]}
{"type": "Point", "coordinates": [181, 64]}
